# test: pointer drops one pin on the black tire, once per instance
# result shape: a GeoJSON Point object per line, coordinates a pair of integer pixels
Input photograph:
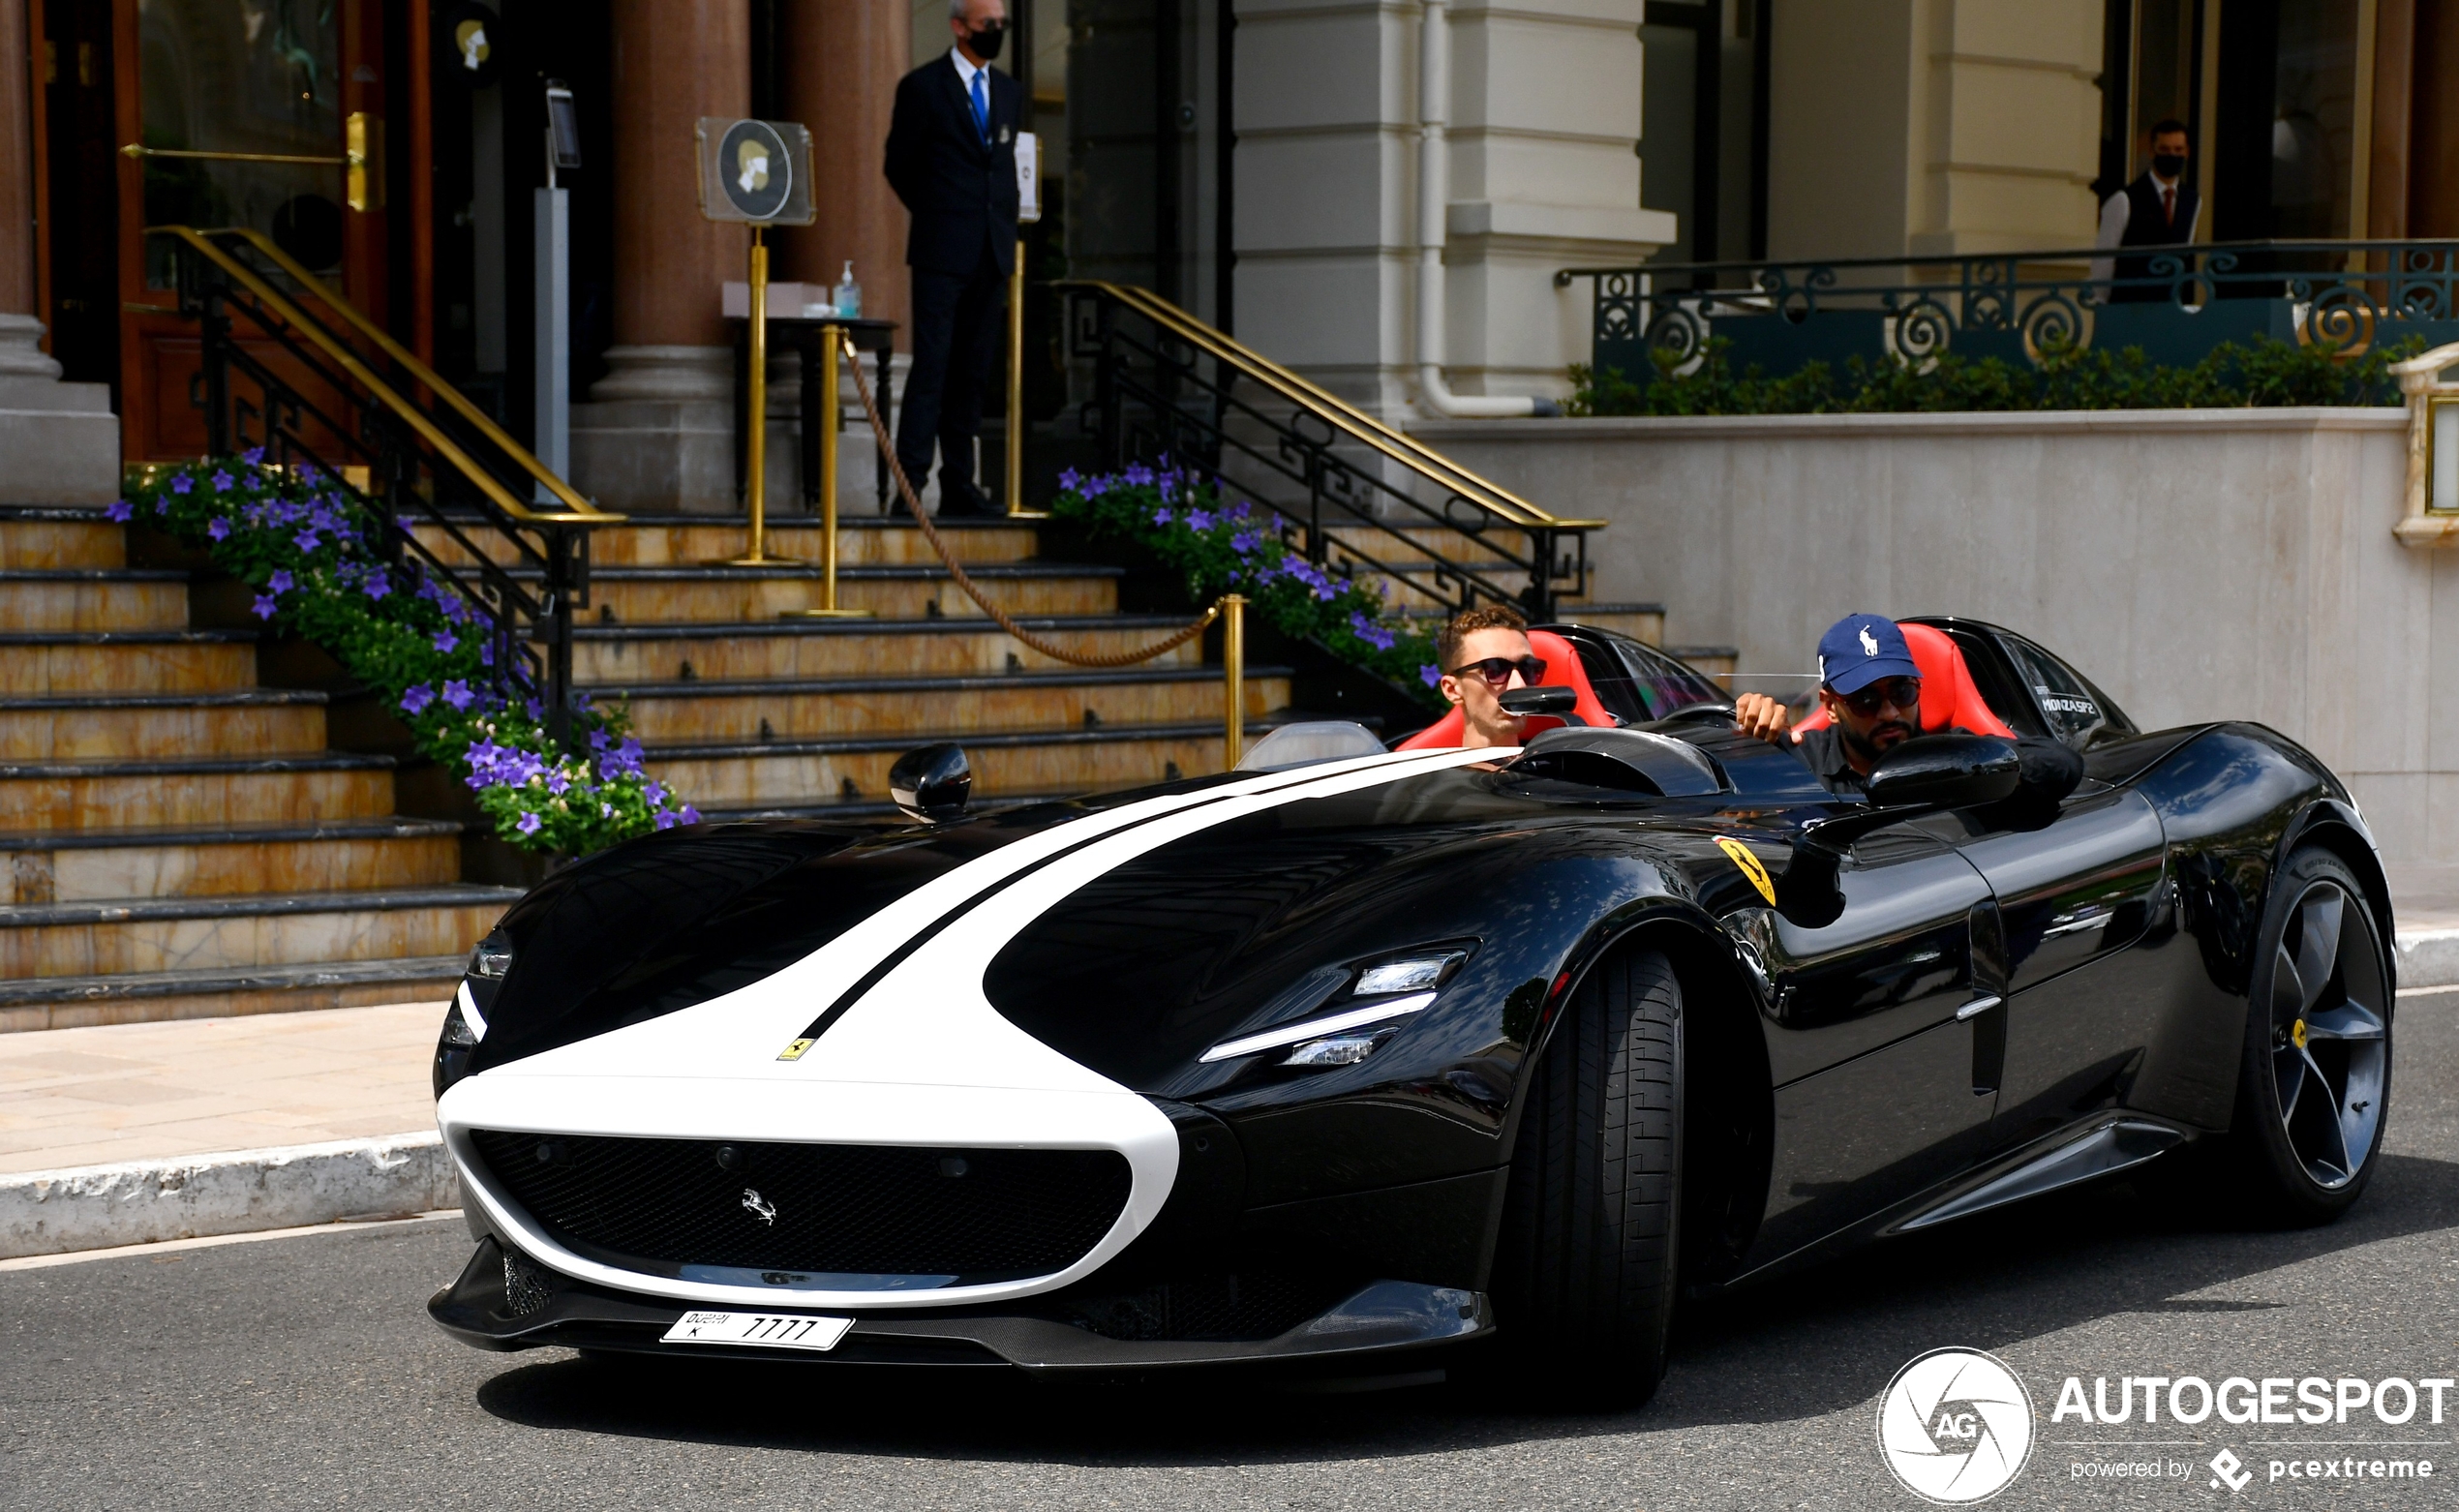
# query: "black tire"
{"type": "Point", "coordinates": [1586, 1265]}
{"type": "Point", "coordinates": [2294, 1162]}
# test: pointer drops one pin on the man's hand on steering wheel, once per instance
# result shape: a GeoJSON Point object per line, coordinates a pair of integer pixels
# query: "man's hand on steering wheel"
{"type": "Point", "coordinates": [1759, 716]}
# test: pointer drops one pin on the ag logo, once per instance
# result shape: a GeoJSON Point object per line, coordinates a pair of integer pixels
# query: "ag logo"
{"type": "Point", "coordinates": [1955, 1426]}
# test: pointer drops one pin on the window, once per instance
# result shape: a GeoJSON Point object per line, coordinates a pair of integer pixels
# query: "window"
{"type": "Point", "coordinates": [2077, 714]}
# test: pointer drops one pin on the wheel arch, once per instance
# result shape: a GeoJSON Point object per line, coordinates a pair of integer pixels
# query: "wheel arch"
{"type": "Point", "coordinates": [2336, 828]}
{"type": "Point", "coordinates": [1729, 1112]}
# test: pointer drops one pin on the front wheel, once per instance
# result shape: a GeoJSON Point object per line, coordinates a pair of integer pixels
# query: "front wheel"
{"type": "Point", "coordinates": [2315, 1079]}
{"type": "Point", "coordinates": [1586, 1267]}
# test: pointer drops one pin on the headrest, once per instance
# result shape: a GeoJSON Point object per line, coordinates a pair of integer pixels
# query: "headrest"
{"type": "Point", "coordinates": [1562, 667]}
{"type": "Point", "coordinates": [1949, 697]}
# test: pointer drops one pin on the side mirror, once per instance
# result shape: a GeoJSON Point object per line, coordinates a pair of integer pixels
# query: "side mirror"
{"type": "Point", "coordinates": [932, 783]}
{"type": "Point", "coordinates": [1946, 771]}
{"type": "Point", "coordinates": [1521, 702]}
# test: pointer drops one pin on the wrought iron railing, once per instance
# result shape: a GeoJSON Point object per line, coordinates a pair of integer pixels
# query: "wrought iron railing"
{"type": "Point", "coordinates": [342, 397]}
{"type": "Point", "coordinates": [2177, 303]}
{"type": "Point", "coordinates": [1356, 496]}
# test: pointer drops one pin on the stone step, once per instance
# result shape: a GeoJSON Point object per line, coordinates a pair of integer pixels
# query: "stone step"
{"type": "Point", "coordinates": [119, 937]}
{"type": "Point", "coordinates": [811, 772]}
{"type": "Point", "coordinates": [637, 655]}
{"type": "Point", "coordinates": [1452, 545]}
{"type": "Point", "coordinates": [220, 992]}
{"type": "Point", "coordinates": [93, 598]}
{"type": "Point", "coordinates": [128, 661]}
{"type": "Point", "coordinates": [68, 728]}
{"type": "Point", "coordinates": [1640, 622]}
{"type": "Point", "coordinates": [44, 796]}
{"type": "Point", "coordinates": [699, 540]}
{"type": "Point", "coordinates": [83, 866]}
{"type": "Point", "coordinates": [36, 535]}
{"type": "Point", "coordinates": [701, 712]}
{"type": "Point", "coordinates": [706, 595]}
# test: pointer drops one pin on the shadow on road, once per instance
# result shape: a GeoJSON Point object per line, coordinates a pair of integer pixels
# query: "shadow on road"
{"type": "Point", "coordinates": [1811, 1345]}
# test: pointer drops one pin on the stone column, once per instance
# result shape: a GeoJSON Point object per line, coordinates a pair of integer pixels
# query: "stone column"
{"type": "Point", "coordinates": [837, 66]}
{"type": "Point", "coordinates": [658, 432]}
{"type": "Point", "coordinates": [61, 439]}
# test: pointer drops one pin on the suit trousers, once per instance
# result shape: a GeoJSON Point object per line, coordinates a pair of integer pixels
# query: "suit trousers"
{"type": "Point", "coordinates": [956, 324]}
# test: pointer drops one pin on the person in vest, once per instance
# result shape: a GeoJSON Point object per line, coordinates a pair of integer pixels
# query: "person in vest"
{"type": "Point", "coordinates": [2158, 209]}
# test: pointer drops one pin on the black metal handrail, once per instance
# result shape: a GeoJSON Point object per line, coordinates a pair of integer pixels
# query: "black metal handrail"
{"type": "Point", "coordinates": [299, 390]}
{"type": "Point", "coordinates": [2341, 295]}
{"type": "Point", "coordinates": [1344, 485]}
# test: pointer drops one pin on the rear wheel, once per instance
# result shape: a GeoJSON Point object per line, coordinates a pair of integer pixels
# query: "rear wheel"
{"type": "Point", "coordinates": [1585, 1269]}
{"type": "Point", "coordinates": [2315, 1079]}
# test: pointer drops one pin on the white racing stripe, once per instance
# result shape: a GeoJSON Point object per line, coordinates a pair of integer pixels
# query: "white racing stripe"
{"type": "Point", "coordinates": [921, 1058]}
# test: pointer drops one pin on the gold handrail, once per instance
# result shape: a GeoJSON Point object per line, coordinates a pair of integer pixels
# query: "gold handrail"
{"type": "Point", "coordinates": [350, 363]}
{"type": "Point", "coordinates": [425, 375]}
{"type": "Point", "coordinates": [1360, 426]}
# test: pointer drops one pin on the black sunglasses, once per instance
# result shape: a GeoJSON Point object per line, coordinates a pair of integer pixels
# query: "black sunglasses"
{"type": "Point", "coordinates": [1498, 670]}
{"type": "Point", "coordinates": [1902, 692]}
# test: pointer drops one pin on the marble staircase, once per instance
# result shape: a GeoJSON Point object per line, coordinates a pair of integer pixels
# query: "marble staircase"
{"type": "Point", "coordinates": [177, 840]}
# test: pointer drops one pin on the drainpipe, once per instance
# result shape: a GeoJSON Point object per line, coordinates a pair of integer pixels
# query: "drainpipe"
{"type": "Point", "coordinates": [1434, 195]}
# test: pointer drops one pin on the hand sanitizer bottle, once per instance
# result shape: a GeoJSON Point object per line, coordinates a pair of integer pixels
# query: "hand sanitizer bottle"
{"type": "Point", "coordinates": [849, 296]}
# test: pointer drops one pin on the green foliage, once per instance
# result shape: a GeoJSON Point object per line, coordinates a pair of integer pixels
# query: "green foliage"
{"type": "Point", "coordinates": [307, 544]}
{"type": "Point", "coordinates": [1220, 549]}
{"type": "Point", "coordinates": [2263, 373]}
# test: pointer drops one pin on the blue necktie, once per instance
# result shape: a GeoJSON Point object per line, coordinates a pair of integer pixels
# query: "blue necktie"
{"type": "Point", "coordinates": [980, 105]}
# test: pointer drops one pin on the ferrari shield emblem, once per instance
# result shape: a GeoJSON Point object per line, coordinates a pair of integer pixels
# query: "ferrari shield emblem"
{"type": "Point", "coordinates": [1751, 867]}
{"type": "Point", "coordinates": [794, 1051]}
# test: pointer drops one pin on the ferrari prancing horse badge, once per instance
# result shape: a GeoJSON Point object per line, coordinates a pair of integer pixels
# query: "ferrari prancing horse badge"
{"type": "Point", "coordinates": [1751, 867]}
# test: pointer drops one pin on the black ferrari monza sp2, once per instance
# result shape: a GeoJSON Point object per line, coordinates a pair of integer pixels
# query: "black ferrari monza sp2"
{"type": "Point", "coordinates": [1348, 1061]}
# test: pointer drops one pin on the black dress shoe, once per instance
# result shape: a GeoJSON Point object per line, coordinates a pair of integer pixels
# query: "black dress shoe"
{"type": "Point", "coordinates": [976, 507]}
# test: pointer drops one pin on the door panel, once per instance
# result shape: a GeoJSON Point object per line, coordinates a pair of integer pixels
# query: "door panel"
{"type": "Point", "coordinates": [207, 88]}
{"type": "Point", "coordinates": [1875, 1097]}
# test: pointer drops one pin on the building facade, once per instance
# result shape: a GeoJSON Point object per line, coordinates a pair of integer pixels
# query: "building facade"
{"type": "Point", "coordinates": [1272, 165]}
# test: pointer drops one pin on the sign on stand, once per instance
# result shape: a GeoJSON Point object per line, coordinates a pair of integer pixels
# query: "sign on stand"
{"type": "Point", "coordinates": [757, 173]}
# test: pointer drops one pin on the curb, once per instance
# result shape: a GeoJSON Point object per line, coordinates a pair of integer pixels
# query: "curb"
{"type": "Point", "coordinates": [2428, 958]}
{"type": "Point", "coordinates": [96, 1207]}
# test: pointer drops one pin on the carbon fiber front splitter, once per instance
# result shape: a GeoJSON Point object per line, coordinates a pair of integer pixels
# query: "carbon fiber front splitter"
{"type": "Point", "coordinates": [1380, 1317]}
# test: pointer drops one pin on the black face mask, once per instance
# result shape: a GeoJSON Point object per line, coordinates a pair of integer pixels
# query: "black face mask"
{"type": "Point", "coordinates": [986, 40]}
{"type": "Point", "coordinates": [2169, 165]}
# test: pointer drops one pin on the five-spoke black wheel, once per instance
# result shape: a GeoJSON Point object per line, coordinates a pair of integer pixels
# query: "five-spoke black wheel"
{"type": "Point", "coordinates": [2317, 1053]}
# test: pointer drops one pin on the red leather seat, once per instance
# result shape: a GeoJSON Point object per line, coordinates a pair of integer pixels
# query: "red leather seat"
{"type": "Point", "coordinates": [1948, 699]}
{"type": "Point", "coordinates": [1562, 669]}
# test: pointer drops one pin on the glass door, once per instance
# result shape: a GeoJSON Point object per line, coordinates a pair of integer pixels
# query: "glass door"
{"type": "Point", "coordinates": [263, 114]}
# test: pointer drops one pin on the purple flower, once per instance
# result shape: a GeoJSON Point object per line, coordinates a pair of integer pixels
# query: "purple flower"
{"type": "Point", "coordinates": [538, 711]}
{"type": "Point", "coordinates": [416, 699]}
{"type": "Point", "coordinates": [1199, 519]}
{"type": "Point", "coordinates": [265, 606]}
{"type": "Point", "coordinates": [597, 739]}
{"type": "Point", "coordinates": [182, 483]}
{"type": "Point", "coordinates": [556, 781]}
{"type": "Point", "coordinates": [457, 693]}
{"type": "Point", "coordinates": [1070, 480]}
{"type": "Point", "coordinates": [221, 482]}
{"type": "Point", "coordinates": [1163, 517]}
{"type": "Point", "coordinates": [690, 815]}
{"type": "Point", "coordinates": [1138, 475]}
{"type": "Point", "coordinates": [486, 653]}
{"type": "Point", "coordinates": [1243, 542]}
{"type": "Point", "coordinates": [1370, 632]}
{"type": "Point", "coordinates": [281, 581]}
{"type": "Point", "coordinates": [530, 823]}
{"type": "Point", "coordinates": [666, 819]}
{"type": "Point", "coordinates": [118, 510]}
{"type": "Point", "coordinates": [1431, 674]}
{"type": "Point", "coordinates": [377, 583]}
{"type": "Point", "coordinates": [218, 529]}
{"type": "Point", "coordinates": [446, 640]}
{"type": "Point", "coordinates": [653, 791]}
{"type": "Point", "coordinates": [307, 540]}
{"type": "Point", "coordinates": [254, 456]}
{"type": "Point", "coordinates": [606, 810]}
{"type": "Point", "coordinates": [1239, 510]}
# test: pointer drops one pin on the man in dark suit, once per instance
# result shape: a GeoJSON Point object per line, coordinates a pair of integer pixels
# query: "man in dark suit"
{"type": "Point", "coordinates": [951, 160]}
{"type": "Point", "coordinates": [2158, 209]}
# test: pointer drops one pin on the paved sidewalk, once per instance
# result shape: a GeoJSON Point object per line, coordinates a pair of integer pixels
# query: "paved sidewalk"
{"type": "Point", "coordinates": [143, 1091]}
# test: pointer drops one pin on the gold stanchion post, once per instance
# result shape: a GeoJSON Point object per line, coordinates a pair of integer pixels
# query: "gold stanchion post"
{"type": "Point", "coordinates": [1234, 673]}
{"type": "Point", "coordinates": [1015, 447]}
{"type": "Point", "coordinates": [832, 347]}
{"type": "Point", "coordinates": [756, 405]}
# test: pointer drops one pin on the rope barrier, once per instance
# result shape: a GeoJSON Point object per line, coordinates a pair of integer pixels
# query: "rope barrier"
{"type": "Point", "coordinates": [955, 569]}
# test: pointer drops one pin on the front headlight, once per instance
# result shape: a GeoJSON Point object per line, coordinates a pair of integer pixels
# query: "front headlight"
{"type": "Point", "coordinates": [465, 1021]}
{"type": "Point", "coordinates": [1379, 992]}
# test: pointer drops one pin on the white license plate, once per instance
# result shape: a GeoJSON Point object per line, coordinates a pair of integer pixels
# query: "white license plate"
{"type": "Point", "coordinates": [768, 1330]}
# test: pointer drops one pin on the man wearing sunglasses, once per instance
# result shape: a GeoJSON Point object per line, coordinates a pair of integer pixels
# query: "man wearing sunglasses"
{"type": "Point", "coordinates": [1870, 687]}
{"type": "Point", "coordinates": [1484, 652]}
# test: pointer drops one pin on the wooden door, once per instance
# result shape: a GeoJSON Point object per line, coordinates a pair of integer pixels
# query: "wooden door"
{"type": "Point", "coordinates": [243, 113]}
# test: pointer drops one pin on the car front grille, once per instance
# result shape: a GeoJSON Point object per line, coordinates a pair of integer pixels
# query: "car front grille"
{"type": "Point", "coordinates": [869, 1210]}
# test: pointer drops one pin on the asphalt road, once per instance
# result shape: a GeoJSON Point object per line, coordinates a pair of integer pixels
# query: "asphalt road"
{"type": "Point", "coordinates": [303, 1373]}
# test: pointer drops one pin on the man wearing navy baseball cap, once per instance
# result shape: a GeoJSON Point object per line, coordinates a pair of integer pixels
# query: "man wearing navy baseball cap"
{"type": "Point", "coordinates": [1870, 687]}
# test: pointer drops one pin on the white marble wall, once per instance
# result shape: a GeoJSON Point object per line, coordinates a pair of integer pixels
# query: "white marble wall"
{"type": "Point", "coordinates": [2198, 564]}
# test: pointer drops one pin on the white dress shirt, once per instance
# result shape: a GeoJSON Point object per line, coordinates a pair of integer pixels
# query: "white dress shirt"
{"type": "Point", "coordinates": [966, 68]}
